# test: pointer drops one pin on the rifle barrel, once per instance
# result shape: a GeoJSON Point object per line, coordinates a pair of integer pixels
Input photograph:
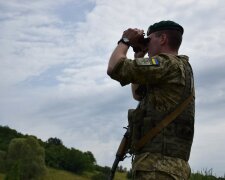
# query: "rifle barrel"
{"type": "Point", "coordinates": [113, 170]}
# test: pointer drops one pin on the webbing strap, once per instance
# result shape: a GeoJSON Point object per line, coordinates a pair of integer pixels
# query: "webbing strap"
{"type": "Point", "coordinates": [165, 122]}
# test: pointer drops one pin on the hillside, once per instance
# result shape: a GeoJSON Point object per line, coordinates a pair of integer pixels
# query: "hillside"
{"type": "Point", "coordinates": [69, 163]}
{"type": "Point", "coordinates": [55, 156]}
{"type": "Point", "coordinates": [54, 174]}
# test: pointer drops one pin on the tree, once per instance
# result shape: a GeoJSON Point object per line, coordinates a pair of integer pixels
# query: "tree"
{"type": "Point", "coordinates": [2, 160]}
{"type": "Point", "coordinates": [91, 157]}
{"type": "Point", "coordinates": [129, 174]}
{"type": "Point", "coordinates": [6, 135]}
{"type": "Point", "coordinates": [54, 141]}
{"type": "Point", "coordinates": [61, 157]}
{"type": "Point", "coordinates": [77, 161]}
{"type": "Point", "coordinates": [55, 155]}
{"type": "Point", "coordinates": [25, 159]}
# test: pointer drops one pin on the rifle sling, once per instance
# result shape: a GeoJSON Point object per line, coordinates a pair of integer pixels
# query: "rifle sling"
{"type": "Point", "coordinates": [165, 122]}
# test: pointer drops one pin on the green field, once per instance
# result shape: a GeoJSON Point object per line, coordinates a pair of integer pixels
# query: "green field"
{"type": "Point", "coordinates": [1, 176]}
{"type": "Point", "coordinates": [55, 174]}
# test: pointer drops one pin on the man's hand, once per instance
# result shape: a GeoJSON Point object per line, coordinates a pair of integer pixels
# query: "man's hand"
{"type": "Point", "coordinates": [136, 39]}
{"type": "Point", "coordinates": [134, 36]}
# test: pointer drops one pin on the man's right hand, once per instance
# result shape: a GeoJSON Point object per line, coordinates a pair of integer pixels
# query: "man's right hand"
{"type": "Point", "coordinates": [134, 36]}
{"type": "Point", "coordinates": [136, 40]}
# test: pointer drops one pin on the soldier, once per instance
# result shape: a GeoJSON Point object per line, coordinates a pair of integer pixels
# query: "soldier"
{"type": "Point", "coordinates": [161, 82]}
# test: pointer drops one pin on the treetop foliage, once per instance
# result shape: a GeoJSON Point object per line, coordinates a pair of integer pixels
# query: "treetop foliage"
{"type": "Point", "coordinates": [25, 159]}
{"type": "Point", "coordinates": [56, 154]}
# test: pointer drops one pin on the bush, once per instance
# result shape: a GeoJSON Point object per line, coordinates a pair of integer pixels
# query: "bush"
{"type": "Point", "coordinates": [59, 156]}
{"type": "Point", "coordinates": [25, 159]}
{"type": "Point", "coordinates": [129, 174]}
{"type": "Point", "coordinates": [103, 174]}
{"type": "Point", "coordinates": [2, 161]}
{"type": "Point", "coordinates": [100, 176]}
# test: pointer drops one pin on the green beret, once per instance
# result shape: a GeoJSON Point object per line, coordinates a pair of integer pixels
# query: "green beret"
{"type": "Point", "coordinates": [164, 25]}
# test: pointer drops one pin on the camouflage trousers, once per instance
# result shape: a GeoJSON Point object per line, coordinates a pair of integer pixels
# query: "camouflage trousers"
{"type": "Point", "coordinates": [149, 166]}
{"type": "Point", "coordinates": [154, 175]}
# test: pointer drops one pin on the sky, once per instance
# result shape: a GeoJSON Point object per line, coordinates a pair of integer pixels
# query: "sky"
{"type": "Point", "coordinates": [53, 62]}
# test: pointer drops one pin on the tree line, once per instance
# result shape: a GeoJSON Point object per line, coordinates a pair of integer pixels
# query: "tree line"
{"type": "Point", "coordinates": [26, 157]}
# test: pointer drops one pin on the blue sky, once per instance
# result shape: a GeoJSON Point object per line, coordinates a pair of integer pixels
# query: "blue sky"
{"type": "Point", "coordinates": [53, 81]}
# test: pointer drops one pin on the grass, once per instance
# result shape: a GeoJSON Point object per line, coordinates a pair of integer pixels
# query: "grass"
{"type": "Point", "coordinates": [54, 174]}
{"type": "Point", "coordinates": [57, 174]}
{"type": "Point", "coordinates": [120, 176]}
{"type": "Point", "coordinates": [2, 176]}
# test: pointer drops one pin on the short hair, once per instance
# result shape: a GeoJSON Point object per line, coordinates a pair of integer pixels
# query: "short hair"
{"type": "Point", "coordinates": [174, 38]}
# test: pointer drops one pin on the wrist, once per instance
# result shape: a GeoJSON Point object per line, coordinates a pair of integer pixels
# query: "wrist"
{"type": "Point", "coordinates": [125, 41]}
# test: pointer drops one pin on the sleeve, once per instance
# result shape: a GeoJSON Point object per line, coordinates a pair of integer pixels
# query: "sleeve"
{"type": "Point", "coordinates": [139, 71]}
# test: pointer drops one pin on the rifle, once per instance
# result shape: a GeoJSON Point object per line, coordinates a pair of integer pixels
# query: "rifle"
{"type": "Point", "coordinates": [121, 153]}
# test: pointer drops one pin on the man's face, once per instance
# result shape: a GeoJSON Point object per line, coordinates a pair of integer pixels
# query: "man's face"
{"type": "Point", "coordinates": [154, 46]}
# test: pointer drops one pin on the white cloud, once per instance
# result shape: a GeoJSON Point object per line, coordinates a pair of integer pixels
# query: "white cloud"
{"type": "Point", "coordinates": [32, 41]}
{"type": "Point", "coordinates": [208, 147]}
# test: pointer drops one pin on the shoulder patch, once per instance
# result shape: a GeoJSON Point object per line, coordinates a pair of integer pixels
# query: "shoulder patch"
{"type": "Point", "coordinates": [147, 61]}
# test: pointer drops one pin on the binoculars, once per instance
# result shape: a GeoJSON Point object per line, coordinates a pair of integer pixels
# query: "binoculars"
{"type": "Point", "coordinates": [142, 44]}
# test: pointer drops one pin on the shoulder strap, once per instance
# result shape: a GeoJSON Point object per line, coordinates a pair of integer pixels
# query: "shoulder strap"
{"type": "Point", "coordinates": [165, 122]}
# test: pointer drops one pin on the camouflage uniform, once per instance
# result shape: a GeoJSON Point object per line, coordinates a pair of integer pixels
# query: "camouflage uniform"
{"type": "Point", "coordinates": [157, 166]}
{"type": "Point", "coordinates": [166, 84]}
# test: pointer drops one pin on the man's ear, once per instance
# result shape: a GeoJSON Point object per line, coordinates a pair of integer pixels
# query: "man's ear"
{"type": "Point", "coordinates": [163, 39]}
